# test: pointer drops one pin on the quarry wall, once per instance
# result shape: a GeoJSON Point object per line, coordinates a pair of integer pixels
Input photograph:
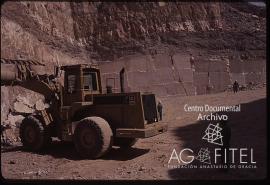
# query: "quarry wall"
{"type": "Point", "coordinates": [167, 75]}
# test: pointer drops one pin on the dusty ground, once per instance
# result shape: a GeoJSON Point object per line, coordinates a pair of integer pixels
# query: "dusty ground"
{"type": "Point", "coordinates": [148, 159]}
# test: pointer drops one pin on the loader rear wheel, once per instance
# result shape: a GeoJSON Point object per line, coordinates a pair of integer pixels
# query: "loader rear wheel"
{"type": "Point", "coordinates": [33, 134]}
{"type": "Point", "coordinates": [93, 137]}
{"type": "Point", "coordinates": [124, 142]}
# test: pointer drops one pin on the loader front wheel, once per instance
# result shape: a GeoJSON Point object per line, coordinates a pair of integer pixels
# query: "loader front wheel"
{"type": "Point", "coordinates": [92, 137]}
{"type": "Point", "coordinates": [33, 134]}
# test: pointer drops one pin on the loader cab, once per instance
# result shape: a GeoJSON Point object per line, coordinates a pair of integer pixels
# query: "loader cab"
{"type": "Point", "coordinates": [81, 82]}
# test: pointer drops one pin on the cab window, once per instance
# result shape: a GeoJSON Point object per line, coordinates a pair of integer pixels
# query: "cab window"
{"type": "Point", "coordinates": [71, 79]}
{"type": "Point", "coordinates": [90, 81]}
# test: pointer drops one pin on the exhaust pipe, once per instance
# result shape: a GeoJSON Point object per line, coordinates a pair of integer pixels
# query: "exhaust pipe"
{"type": "Point", "coordinates": [122, 79]}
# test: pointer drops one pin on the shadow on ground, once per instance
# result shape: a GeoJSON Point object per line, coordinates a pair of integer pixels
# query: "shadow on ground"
{"type": "Point", "coordinates": [67, 150]}
{"type": "Point", "coordinates": [248, 130]}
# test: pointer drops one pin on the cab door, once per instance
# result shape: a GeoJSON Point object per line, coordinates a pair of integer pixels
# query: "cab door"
{"type": "Point", "coordinates": [72, 88]}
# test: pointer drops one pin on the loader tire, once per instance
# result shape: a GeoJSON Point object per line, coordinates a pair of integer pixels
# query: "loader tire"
{"type": "Point", "coordinates": [124, 142]}
{"type": "Point", "coordinates": [33, 134]}
{"type": "Point", "coordinates": [92, 137]}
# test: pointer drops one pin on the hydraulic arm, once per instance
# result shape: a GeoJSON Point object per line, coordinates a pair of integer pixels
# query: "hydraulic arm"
{"type": "Point", "coordinates": [28, 74]}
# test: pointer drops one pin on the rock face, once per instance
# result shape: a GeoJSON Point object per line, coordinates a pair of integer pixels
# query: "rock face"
{"type": "Point", "coordinates": [152, 40]}
{"type": "Point", "coordinates": [125, 27]}
{"type": "Point", "coordinates": [41, 31]}
{"type": "Point", "coordinates": [69, 32]}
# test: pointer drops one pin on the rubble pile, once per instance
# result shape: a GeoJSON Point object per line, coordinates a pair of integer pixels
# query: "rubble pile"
{"type": "Point", "coordinates": [22, 105]}
{"type": "Point", "coordinates": [21, 108]}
